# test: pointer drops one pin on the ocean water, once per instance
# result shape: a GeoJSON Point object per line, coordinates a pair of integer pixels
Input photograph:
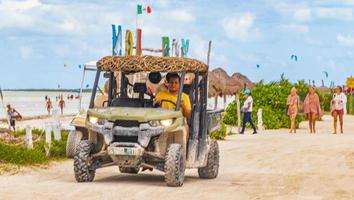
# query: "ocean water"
{"type": "Point", "coordinates": [33, 103]}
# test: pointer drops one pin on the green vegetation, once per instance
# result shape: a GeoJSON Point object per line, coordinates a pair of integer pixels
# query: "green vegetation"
{"type": "Point", "coordinates": [219, 134]}
{"type": "Point", "coordinates": [18, 154]}
{"type": "Point", "coordinates": [271, 98]}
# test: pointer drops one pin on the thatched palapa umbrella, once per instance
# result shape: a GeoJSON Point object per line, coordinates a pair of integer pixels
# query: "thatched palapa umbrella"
{"type": "Point", "coordinates": [220, 84]}
{"type": "Point", "coordinates": [243, 80]}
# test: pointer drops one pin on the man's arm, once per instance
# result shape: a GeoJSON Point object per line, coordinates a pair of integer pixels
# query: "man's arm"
{"type": "Point", "coordinates": [248, 106]}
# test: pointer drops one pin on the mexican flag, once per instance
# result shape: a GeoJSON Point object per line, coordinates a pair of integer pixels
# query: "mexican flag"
{"type": "Point", "coordinates": [140, 9]}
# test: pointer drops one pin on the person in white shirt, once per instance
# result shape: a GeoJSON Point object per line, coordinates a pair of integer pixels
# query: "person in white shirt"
{"type": "Point", "coordinates": [338, 108]}
{"type": "Point", "coordinates": [247, 110]}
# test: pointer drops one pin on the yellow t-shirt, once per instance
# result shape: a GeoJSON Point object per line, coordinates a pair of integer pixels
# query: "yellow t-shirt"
{"type": "Point", "coordinates": [168, 96]}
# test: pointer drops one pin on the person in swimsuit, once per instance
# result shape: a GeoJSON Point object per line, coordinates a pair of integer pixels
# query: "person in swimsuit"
{"type": "Point", "coordinates": [49, 106]}
{"type": "Point", "coordinates": [61, 104]}
{"type": "Point", "coordinates": [13, 115]}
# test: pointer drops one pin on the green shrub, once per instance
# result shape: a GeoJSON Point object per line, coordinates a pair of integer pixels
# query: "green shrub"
{"type": "Point", "coordinates": [20, 155]}
{"type": "Point", "coordinates": [272, 99]}
{"type": "Point", "coordinates": [219, 134]}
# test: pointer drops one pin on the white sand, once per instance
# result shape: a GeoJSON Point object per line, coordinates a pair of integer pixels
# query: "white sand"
{"type": "Point", "coordinates": [271, 165]}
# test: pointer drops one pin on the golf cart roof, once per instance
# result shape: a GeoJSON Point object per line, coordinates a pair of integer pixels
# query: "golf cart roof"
{"type": "Point", "coordinates": [133, 64]}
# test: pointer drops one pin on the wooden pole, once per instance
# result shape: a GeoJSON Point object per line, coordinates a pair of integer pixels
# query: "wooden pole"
{"type": "Point", "coordinates": [351, 103]}
{"type": "Point", "coordinates": [216, 102]}
{"type": "Point", "coordinates": [238, 110]}
{"type": "Point", "coordinates": [224, 102]}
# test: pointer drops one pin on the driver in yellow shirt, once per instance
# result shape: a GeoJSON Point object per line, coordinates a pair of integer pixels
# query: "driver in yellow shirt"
{"type": "Point", "coordinates": [168, 99]}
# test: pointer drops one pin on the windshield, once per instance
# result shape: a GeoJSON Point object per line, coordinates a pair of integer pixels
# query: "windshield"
{"type": "Point", "coordinates": [133, 90]}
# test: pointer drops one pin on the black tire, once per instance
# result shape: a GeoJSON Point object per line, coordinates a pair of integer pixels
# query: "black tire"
{"type": "Point", "coordinates": [212, 169]}
{"type": "Point", "coordinates": [82, 162]}
{"type": "Point", "coordinates": [129, 170]}
{"type": "Point", "coordinates": [73, 139]}
{"type": "Point", "coordinates": [174, 166]}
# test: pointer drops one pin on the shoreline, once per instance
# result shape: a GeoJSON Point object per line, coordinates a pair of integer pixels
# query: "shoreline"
{"type": "Point", "coordinates": [4, 120]}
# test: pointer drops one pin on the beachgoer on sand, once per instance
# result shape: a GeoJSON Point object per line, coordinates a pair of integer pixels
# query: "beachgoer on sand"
{"type": "Point", "coordinates": [338, 108]}
{"type": "Point", "coordinates": [61, 104]}
{"type": "Point", "coordinates": [312, 108]}
{"type": "Point", "coordinates": [49, 106]}
{"type": "Point", "coordinates": [13, 115]}
{"type": "Point", "coordinates": [293, 106]}
{"type": "Point", "coordinates": [247, 112]}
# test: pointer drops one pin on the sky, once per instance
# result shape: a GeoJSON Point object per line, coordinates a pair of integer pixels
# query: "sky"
{"type": "Point", "coordinates": [37, 37]}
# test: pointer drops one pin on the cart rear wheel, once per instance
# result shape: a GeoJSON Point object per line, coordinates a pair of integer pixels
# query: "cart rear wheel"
{"type": "Point", "coordinates": [212, 169]}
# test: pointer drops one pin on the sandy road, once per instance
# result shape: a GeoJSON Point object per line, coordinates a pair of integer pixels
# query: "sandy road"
{"type": "Point", "coordinates": [270, 165]}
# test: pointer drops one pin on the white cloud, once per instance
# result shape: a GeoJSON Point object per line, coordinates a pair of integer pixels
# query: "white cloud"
{"type": "Point", "coordinates": [303, 11]}
{"type": "Point", "coordinates": [299, 28]}
{"type": "Point", "coordinates": [240, 27]}
{"type": "Point", "coordinates": [345, 40]}
{"type": "Point", "coordinates": [26, 52]}
{"type": "Point", "coordinates": [334, 13]}
{"type": "Point", "coordinates": [180, 15]}
{"type": "Point", "coordinates": [303, 14]}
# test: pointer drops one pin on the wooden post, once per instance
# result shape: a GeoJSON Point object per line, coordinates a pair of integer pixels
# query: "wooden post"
{"type": "Point", "coordinates": [48, 138]}
{"type": "Point", "coordinates": [215, 102]}
{"type": "Point", "coordinates": [29, 139]}
{"type": "Point", "coordinates": [260, 120]}
{"type": "Point", "coordinates": [224, 101]}
{"type": "Point", "coordinates": [238, 110]}
{"type": "Point", "coordinates": [351, 103]}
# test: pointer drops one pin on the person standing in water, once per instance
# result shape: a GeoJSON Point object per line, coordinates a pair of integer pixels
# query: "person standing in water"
{"type": "Point", "coordinates": [338, 108]}
{"type": "Point", "coordinates": [312, 108]}
{"type": "Point", "coordinates": [293, 103]}
{"type": "Point", "coordinates": [247, 111]}
{"type": "Point", "coordinates": [61, 104]}
{"type": "Point", "coordinates": [49, 105]}
{"type": "Point", "coordinates": [13, 116]}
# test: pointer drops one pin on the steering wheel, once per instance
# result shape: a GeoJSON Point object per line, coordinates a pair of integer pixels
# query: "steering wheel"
{"type": "Point", "coordinates": [169, 101]}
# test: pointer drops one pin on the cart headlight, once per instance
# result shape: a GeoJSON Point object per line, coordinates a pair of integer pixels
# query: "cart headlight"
{"type": "Point", "coordinates": [166, 122]}
{"type": "Point", "coordinates": [93, 120]}
{"type": "Point", "coordinates": [154, 123]}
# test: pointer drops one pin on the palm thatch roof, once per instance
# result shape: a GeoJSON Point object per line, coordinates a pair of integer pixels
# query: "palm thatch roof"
{"type": "Point", "coordinates": [220, 83]}
{"type": "Point", "coordinates": [242, 79]}
{"type": "Point", "coordinates": [133, 64]}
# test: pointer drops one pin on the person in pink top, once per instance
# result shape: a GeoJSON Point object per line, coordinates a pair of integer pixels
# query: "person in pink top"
{"type": "Point", "coordinates": [312, 108]}
{"type": "Point", "coordinates": [293, 103]}
{"type": "Point", "coordinates": [338, 108]}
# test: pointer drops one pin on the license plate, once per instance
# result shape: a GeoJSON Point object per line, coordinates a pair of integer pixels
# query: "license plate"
{"type": "Point", "coordinates": [128, 151]}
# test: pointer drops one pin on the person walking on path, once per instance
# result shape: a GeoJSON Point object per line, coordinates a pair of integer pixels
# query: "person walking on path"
{"type": "Point", "coordinates": [293, 103]}
{"type": "Point", "coordinates": [338, 108]}
{"type": "Point", "coordinates": [247, 111]}
{"type": "Point", "coordinates": [61, 104]}
{"type": "Point", "coordinates": [13, 116]}
{"type": "Point", "coordinates": [312, 108]}
{"type": "Point", "coordinates": [49, 105]}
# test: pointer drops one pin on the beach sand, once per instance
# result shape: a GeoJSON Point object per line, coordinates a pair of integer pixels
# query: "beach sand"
{"type": "Point", "coordinates": [271, 165]}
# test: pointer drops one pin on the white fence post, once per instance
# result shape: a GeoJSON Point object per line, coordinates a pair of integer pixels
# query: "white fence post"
{"type": "Point", "coordinates": [29, 138]}
{"type": "Point", "coordinates": [48, 137]}
{"type": "Point", "coordinates": [56, 124]}
{"type": "Point", "coordinates": [260, 120]}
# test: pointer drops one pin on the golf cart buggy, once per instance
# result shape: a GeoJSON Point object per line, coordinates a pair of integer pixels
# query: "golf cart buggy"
{"type": "Point", "coordinates": [129, 131]}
